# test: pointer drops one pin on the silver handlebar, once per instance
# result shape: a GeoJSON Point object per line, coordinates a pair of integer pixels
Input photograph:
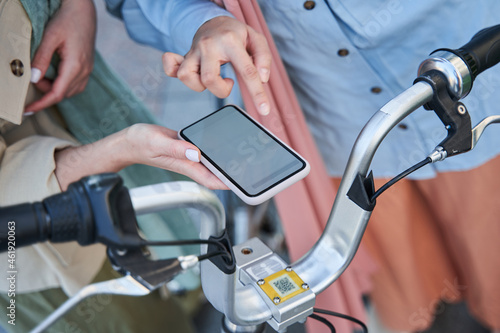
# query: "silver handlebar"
{"type": "Point", "coordinates": [331, 255]}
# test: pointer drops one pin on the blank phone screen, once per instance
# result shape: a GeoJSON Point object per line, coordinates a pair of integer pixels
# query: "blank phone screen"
{"type": "Point", "coordinates": [242, 151]}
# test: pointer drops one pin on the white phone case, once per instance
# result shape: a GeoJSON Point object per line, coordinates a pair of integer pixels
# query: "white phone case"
{"type": "Point", "coordinates": [268, 193]}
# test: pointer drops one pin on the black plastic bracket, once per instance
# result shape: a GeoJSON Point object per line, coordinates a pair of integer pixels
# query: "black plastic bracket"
{"type": "Point", "coordinates": [222, 262]}
{"type": "Point", "coordinates": [452, 113]}
{"type": "Point", "coordinates": [362, 190]}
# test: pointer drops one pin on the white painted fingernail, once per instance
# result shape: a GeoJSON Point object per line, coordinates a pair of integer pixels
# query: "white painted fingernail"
{"type": "Point", "coordinates": [35, 75]}
{"type": "Point", "coordinates": [29, 113]}
{"type": "Point", "coordinates": [192, 155]}
{"type": "Point", "coordinates": [264, 109]}
{"type": "Point", "coordinates": [264, 74]}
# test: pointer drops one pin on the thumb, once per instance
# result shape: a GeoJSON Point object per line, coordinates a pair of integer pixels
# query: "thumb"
{"type": "Point", "coordinates": [43, 56]}
{"type": "Point", "coordinates": [179, 149]}
{"type": "Point", "coordinates": [188, 150]}
{"type": "Point", "coordinates": [171, 62]}
{"type": "Point", "coordinates": [192, 154]}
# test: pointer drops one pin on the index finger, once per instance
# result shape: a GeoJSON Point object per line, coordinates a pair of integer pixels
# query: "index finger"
{"type": "Point", "coordinates": [243, 65]}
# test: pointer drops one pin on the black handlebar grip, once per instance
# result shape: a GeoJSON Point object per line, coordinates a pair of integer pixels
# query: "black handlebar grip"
{"type": "Point", "coordinates": [70, 215]}
{"type": "Point", "coordinates": [64, 217]}
{"type": "Point", "coordinates": [22, 225]}
{"type": "Point", "coordinates": [483, 50]}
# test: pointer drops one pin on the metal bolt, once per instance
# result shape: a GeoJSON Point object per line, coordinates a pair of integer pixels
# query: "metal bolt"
{"type": "Point", "coordinates": [246, 251]}
{"type": "Point", "coordinates": [276, 300]}
{"type": "Point", "coordinates": [288, 269]}
{"type": "Point", "coordinates": [461, 109]}
{"type": "Point", "coordinates": [305, 286]}
{"type": "Point", "coordinates": [261, 282]}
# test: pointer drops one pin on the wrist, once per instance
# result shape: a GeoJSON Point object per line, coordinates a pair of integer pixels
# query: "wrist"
{"type": "Point", "coordinates": [114, 152]}
{"type": "Point", "coordinates": [106, 155]}
{"type": "Point", "coordinates": [184, 30]}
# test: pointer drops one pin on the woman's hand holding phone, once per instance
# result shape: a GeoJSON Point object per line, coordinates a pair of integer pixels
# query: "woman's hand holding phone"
{"type": "Point", "coordinates": [138, 144]}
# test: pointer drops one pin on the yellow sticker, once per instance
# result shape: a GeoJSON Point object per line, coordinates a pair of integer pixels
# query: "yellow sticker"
{"type": "Point", "coordinates": [282, 286]}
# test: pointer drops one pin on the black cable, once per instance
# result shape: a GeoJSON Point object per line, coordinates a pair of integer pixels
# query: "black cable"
{"type": "Point", "coordinates": [186, 242]}
{"type": "Point", "coordinates": [324, 321]}
{"type": "Point", "coordinates": [343, 316]}
{"type": "Point", "coordinates": [214, 254]}
{"type": "Point", "coordinates": [401, 176]}
{"type": "Point", "coordinates": [193, 242]}
{"type": "Point", "coordinates": [182, 242]}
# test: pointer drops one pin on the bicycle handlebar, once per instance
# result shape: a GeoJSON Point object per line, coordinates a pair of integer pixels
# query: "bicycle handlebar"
{"type": "Point", "coordinates": [26, 225]}
{"type": "Point", "coordinates": [461, 66]}
{"type": "Point", "coordinates": [482, 51]}
{"type": "Point", "coordinates": [59, 218]}
{"type": "Point", "coordinates": [94, 209]}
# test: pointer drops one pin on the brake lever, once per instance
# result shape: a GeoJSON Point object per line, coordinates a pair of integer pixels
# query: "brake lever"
{"type": "Point", "coordinates": [479, 129]}
{"type": "Point", "coordinates": [150, 273]}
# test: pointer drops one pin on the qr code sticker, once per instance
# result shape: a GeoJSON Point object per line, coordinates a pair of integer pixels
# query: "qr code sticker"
{"type": "Point", "coordinates": [284, 285]}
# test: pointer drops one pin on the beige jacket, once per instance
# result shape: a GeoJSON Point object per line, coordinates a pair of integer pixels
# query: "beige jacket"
{"type": "Point", "coordinates": [27, 165]}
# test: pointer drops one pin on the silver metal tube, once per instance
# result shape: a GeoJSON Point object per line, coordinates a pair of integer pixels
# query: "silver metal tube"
{"type": "Point", "coordinates": [230, 327]}
{"type": "Point", "coordinates": [242, 305]}
{"type": "Point", "coordinates": [159, 197]}
{"type": "Point", "coordinates": [333, 252]}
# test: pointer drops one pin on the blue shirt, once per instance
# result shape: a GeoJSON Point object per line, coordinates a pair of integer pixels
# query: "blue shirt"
{"type": "Point", "coordinates": [347, 58]}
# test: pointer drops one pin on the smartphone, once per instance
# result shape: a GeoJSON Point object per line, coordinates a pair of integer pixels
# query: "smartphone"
{"type": "Point", "coordinates": [244, 155]}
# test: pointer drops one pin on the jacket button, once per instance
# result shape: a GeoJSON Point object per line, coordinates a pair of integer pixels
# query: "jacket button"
{"type": "Point", "coordinates": [309, 5]}
{"type": "Point", "coordinates": [403, 126]}
{"type": "Point", "coordinates": [343, 52]}
{"type": "Point", "coordinates": [376, 90]}
{"type": "Point", "coordinates": [17, 67]}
